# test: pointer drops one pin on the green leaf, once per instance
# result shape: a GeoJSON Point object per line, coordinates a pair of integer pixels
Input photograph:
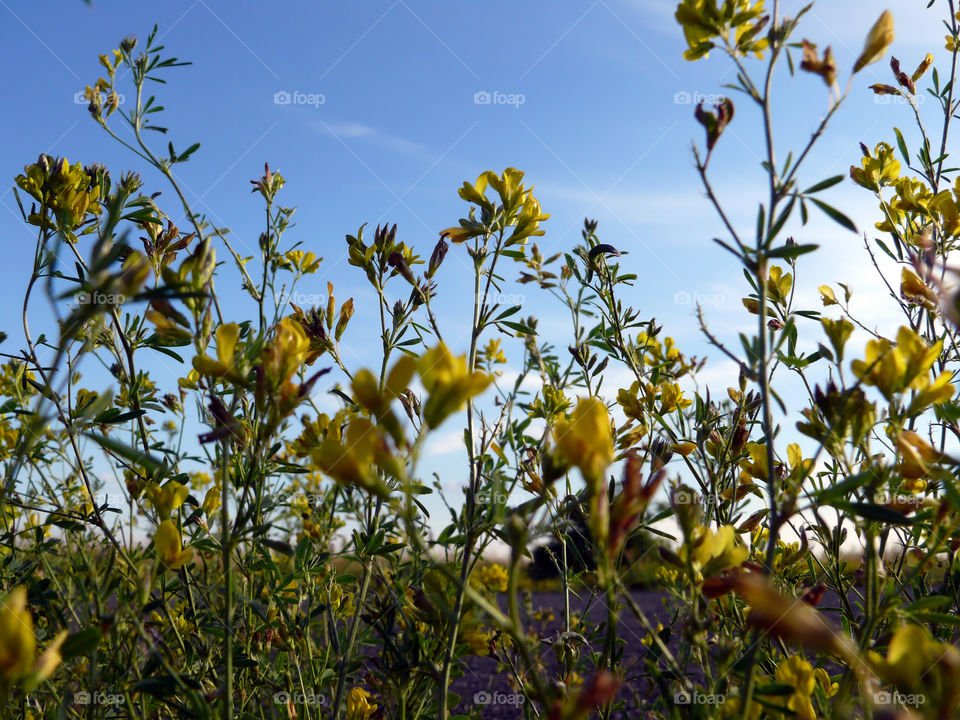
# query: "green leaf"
{"type": "Point", "coordinates": [278, 546]}
{"type": "Point", "coordinates": [835, 215]}
{"type": "Point", "coordinates": [932, 602]}
{"type": "Point", "coordinates": [845, 487]}
{"type": "Point", "coordinates": [791, 251]}
{"type": "Point", "coordinates": [82, 642]}
{"type": "Point", "coordinates": [135, 456]}
{"type": "Point", "coordinates": [935, 618]}
{"type": "Point", "coordinates": [902, 145]}
{"type": "Point", "coordinates": [517, 327]}
{"type": "Point", "coordinates": [824, 184]}
{"type": "Point", "coordinates": [869, 511]}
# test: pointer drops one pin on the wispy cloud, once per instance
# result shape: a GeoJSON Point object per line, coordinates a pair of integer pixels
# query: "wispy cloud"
{"type": "Point", "coordinates": [352, 130]}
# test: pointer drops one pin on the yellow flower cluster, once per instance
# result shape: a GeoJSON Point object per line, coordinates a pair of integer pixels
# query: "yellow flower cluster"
{"type": "Point", "coordinates": [800, 675]}
{"type": "Point", "coordinates": [518, 209]}
{"type": "Point", "coordinates": [448, 382]}
{"type": "Point", "coordinates": [18, 644]}
{"type": "Point", "coordinates": [492, 578]}
{"type": "Point", "coordinates": [585, 440]}
{"type": "Point", "coordinates": [712, 551]}
{"type": "Point", "coordinates": [893, 369]}
{"type": "Point", "coordinates": [300, 262]}
{"type": "Point", "coordinates": [68, 191]}
{"type": "Point", "coordinates": [359, 705]}
{"type": "Point", "coordinates": [738, 23]}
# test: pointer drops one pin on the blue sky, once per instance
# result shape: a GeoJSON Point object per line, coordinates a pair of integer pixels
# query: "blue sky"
{"type": "Point", "coordinates": [600, 120]}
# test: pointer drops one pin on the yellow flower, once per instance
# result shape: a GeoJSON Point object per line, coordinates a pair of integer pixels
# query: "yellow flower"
{"type": "Point", "coordinates": [359, 706]}
{"type": "Point", "coordinates": [340, 600]}
{"type": "Point", "coordinates": [647, 640]}
{"type": "Point", "coordinates": [631, 402]}
{"type": "Point", "coordinates": [211, 501]}
{"type": "Point", "coordinates": [829, 687]}
{"type": "Point", "coordinates": [827, 296]}
{"type": "Point", "coordinates": [303, 263]}
{"type": "Point", "coordinates": [916, 455]}
{"type": "Point", "coordinates": [66, 190]}
{"type": "Point", "coordinates": [915, 291]}
{"type": "Point", "coordinates": [169, 546]}
{"type": "Point", "coordinates": [671, 398]}
{"type": "Point", "coordinates": [223, 366]}
{"type": "Point", "coordinates": [17, 642]}
{"type": "Point", "coordinates": [352, 459]}
{"type": "Point", "coordinates": [492, 578]}
{"type": "Point", "coordinates": [892, 369]}
{"type": "Point", "coordinates": [935, 393]}
{"type": "Point", "coordinates": [190, 382]}
{"type": "Point", "coordinates": [493, 353]}
{"type": "Point", "coordinates": [448, 382]}
{"type": "Point", "coordinates": [715, 551]}
{"type": "Point", "coordinates": [367, 392]}
{"type": "Point", "coordinates": [703, 20]}
{"type": "Point", "coordinates": [878, 40]}
{"type": "Point", "coordinates": [756, 467]}
{"type": "Point", "coordinates": [479, 642]}
{"type": "Point", "coordinates": [917, 663]}
{"type": "Point", "coordinates": [779, 284]}
{"type": "Point", "coordinates": [798, 673]}
{"type": "Point", "coordinates": [875, 172]}
{"type": "Point", "coordinates": [586, 440]}
{"type": "Point", "coordinates": [285, 352]}
{"type": "Point", "coordinates": [167, 498]}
